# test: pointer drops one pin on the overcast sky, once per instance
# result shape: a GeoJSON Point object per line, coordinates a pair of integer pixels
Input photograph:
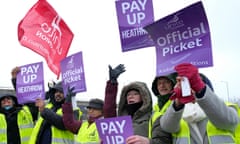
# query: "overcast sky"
{"type": "Point", "coordinates": [95, 27]}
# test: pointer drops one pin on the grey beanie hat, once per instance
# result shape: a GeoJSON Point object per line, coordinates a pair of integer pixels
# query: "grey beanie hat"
{"type": "Point", "coordinates": [95, 103]}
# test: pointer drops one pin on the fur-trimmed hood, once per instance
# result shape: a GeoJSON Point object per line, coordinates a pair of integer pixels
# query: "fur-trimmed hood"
{"type": "Point", "coordinates": [146, 108]}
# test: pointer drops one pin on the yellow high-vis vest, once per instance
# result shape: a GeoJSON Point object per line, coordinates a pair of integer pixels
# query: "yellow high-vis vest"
{"type": "Point", "coordinates": [58, 136]}
{"type": "Point", "coordinates": [25, 126]}
{"type": "Point", "coordinates": [157, 112]}
{"type": "Point", "coordinates": [88, 134]}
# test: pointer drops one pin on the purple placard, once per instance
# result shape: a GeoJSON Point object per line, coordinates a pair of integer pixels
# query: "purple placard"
{"type": "Point", "coordinates": [115, 130]}
{"type": "Point", "coordinates": [183, 36]}
{"type": "Point", "coordinates": [72, 71]}
{"type": "Point", "coordinates": [132, 17]}
{"type": "Point", "coordinates": [30, 83]}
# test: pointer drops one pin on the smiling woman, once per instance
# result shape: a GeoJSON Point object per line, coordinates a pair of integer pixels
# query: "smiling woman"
{"type": "Point", "coordinates": [99, 40]}
{"type": "Point", "coordinates": [7, 102]}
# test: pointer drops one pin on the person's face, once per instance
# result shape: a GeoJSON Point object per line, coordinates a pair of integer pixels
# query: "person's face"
{"type": "Point", "coordinates": [59, 96]}
{"type": "Point", "coordinates": [164, 86]}
{"type": "Point", "coordinates": [94, 112]}
{"type": "Point", "coordinates": [7, 101]}
{"type": "Point", "coordinates": [133, 97]}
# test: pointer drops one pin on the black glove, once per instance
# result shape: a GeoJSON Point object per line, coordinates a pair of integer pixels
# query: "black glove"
{"type": "Point", "coordinates": [70, 94]}
{"type": "Point", "coordinates": [114, 73]}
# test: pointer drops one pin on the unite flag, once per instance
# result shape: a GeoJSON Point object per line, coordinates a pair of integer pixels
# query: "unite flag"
{"type": "Point", "coordinates": [43, 31]}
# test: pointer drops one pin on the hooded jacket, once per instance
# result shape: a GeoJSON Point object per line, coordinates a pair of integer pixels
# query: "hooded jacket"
{"type": "Point", "coordinates": [141, 117]}
{"type": "Point", "coordinates": [171, 77]}
{"type": "Point", "coordinates": [157, 135]}
{"type": "Point", "coordinates": [16, 123]}
{"type": "Point", "coordinates": [221, 116]}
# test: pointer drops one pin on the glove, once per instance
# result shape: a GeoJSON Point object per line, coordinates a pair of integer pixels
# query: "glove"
{"type": "Point", "coordinates": [70, 94]}
{"type": "Point", "coordinates": [191, 72]}
{"type": "Point", "coordinates": [114, 73]}
{"type": "Point", "coordinates": [177, 94]}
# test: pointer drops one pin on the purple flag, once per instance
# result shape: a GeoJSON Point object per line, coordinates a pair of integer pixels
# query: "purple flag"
{"type": "Point", "coordinates": [73, 73]}
{"type": "Point", "coordinates": [30, 83]}
{"type": "Point", "coordinates": [132, 17]}
{"type": "Point", "coordinates": [114, 130]}
{"type": "Point", "coordinates": [183, 36]}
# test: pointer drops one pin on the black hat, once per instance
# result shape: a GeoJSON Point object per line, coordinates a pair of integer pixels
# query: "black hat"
{"type": "Point", "coordinates": [14, 98]}
{"type": "Point", "coordinates": [58, 87]}
{"type": "Point", "coordinates": [95, 103]}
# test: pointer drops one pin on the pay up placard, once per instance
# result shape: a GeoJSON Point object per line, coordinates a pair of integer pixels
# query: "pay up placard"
{"type": "Point", "coordinates": [114, 130]}
{"type": "Point", "coordinates": [30, 83]}
{"type": "Point", "coordinates": [132, 16]}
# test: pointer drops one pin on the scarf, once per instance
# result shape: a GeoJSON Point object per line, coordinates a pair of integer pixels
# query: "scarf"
{"type": "Point", "coordinates": [162, 99]}
{"type": "Point", "coordinates": [132, 108]}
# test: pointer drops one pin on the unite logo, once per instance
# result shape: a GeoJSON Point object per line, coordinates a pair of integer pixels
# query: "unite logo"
{"type": "Point", "coordinates": [174, 23]}
{"type": "Point", "coordinates": [52, 34]}
{"type": "Point", "coordinates": [70, 63]}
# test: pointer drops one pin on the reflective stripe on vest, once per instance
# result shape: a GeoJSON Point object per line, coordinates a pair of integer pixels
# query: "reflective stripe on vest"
{"type": "Point", "coordinates": [183, 135]}
{"type": "Point", "coordinates": [87, 143]}
{"type": "Point", "coordinates": [215, 135]}
{"type": "Point", "coordinates": [3, 129]}
{"type": "Point", "coordinates": [156, 113]}
{"type": "Point", "coordinates": [88, 134]}
{"type": "Point", "coordinates": [62, 141]}
{"type": "Point", "coordinates": [237, 130]}
{"type": "Point", "coordinates": [25, 124]}
{"type": "Point", "coordinates": [58, 136]}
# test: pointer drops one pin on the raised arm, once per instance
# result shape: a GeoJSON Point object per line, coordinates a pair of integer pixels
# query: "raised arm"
{"type": "Point", "coordinates": [69, 121]}
{"type": "Point", "coordinates": [111, 90]}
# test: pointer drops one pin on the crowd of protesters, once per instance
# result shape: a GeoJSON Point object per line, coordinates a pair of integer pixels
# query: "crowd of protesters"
{"type": "Point", "coordinates": [199, 118]}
